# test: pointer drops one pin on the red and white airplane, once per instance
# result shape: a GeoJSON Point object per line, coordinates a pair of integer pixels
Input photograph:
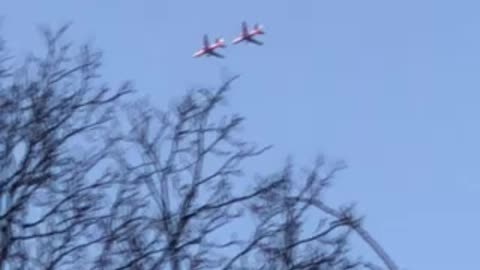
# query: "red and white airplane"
{"type": "Point", "coordinates": [208, 49]}
{"type": "Point", "coordinates": [245, 35]}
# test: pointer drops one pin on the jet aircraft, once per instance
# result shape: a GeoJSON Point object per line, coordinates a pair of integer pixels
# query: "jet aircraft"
{"type": "Point", "coordinates": [247, 36]}
{"type": "Point", "coordinates": [209, 50]}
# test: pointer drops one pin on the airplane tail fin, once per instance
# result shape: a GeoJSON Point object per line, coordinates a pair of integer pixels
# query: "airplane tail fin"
{"type": "Point", "coordinates": [205, 41]}
{"type": "Point", "coordinates": [244, 28]}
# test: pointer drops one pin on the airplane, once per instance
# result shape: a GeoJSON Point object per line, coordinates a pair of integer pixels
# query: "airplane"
{"type": "Point", "coordinates": [245, 35]}
{"type": "Point", "coordinates": [209, 50]}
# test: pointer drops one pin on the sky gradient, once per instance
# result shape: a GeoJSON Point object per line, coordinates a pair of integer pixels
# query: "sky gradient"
{"type": "Point", "coordinates": [390, 87]}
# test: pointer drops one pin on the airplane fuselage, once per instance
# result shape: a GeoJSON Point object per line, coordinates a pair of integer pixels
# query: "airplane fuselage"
{"type": "Point", "coordinates": [208, 50]}
{"type": "Point", "coordinates": [248, 36]}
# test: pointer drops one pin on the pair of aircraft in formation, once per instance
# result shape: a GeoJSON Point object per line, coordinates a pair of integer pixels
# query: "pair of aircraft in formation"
{"type": "Point", "coordinates": [246, 36]}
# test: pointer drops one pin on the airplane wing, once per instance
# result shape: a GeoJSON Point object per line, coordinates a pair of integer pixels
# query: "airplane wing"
{"type": "Point", "coordinates": [244, 28]}
{"type": "Point", "coordinates": [205, 41]}
{"type": "Point", "coordinates": [216, 54]}
{"type": "Point", "coordinates": [255, 41]}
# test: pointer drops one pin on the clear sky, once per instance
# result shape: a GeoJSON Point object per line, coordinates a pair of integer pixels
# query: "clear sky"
{"type": "Point", "coordinates": [392, 87]}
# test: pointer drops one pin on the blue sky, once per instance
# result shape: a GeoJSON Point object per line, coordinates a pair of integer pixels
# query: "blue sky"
{"type": "Point", "coordinates": [392, 87]}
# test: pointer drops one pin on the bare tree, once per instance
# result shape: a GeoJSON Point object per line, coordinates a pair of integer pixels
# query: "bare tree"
{"type": "Point", "coordinates": [53, 156]}
{"type": "Point", "coordinates": [186, 193]}
{"type": "Point", "coordinates": [296, 229]}
{"type": "Point", "coordinates": [183, 166]}
{"type": "Point", "coordinates": [79, 192]}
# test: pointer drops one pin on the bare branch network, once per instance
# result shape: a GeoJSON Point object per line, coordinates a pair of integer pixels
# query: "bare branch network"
{"type": "Point", "coordinates": [87, 183]}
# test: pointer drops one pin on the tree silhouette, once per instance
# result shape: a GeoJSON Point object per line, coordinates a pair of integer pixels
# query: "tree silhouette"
{"type": "Point", "coordinates": [89, 183]}
{"type": "Point", "coordinates": [52, 116]}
